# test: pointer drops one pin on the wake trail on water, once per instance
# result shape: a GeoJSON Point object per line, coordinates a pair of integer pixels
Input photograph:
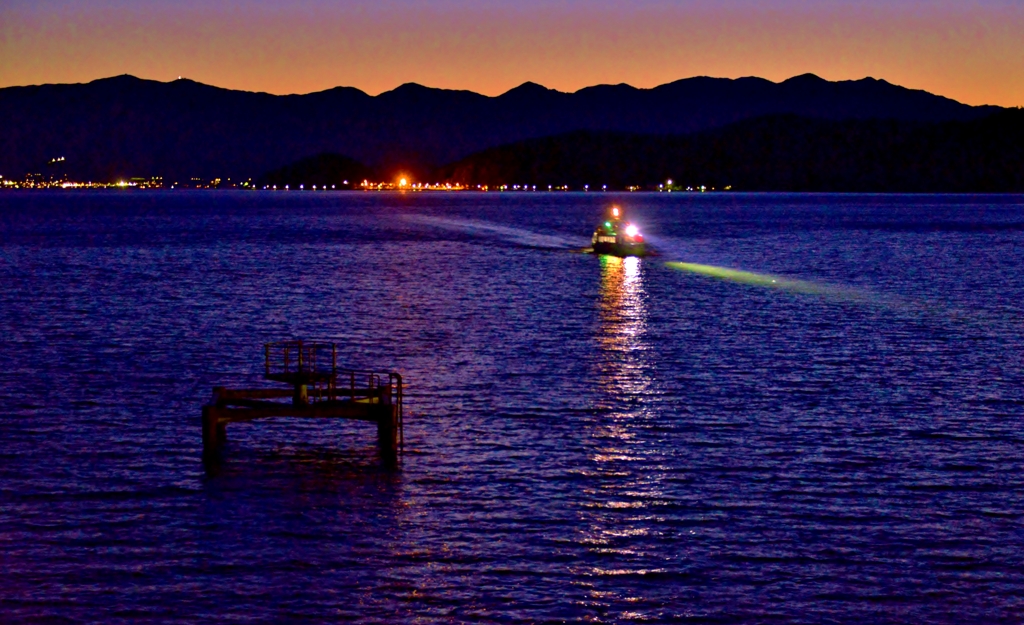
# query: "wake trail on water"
{"type": "Point", "coordinates": [494, 231]}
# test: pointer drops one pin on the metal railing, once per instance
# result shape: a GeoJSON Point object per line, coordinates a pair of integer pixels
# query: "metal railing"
{"type": "Point", "coordinates": [381, 387]}
{"type": "Point", "coordinates": [328, 382]}
{"type": "Point", "coordinates": [300, 357]}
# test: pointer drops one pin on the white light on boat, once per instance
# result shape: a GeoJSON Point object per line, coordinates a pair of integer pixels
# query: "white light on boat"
{"type": "Point", "coordinates": [632, 230]}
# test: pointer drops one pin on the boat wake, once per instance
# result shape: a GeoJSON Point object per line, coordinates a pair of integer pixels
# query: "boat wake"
{"type": "Point", "coordinates": [499, 232]}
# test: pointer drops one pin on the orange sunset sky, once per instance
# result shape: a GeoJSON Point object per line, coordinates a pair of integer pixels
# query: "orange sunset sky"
{"type": "Point", "coordinates": [972, 51]}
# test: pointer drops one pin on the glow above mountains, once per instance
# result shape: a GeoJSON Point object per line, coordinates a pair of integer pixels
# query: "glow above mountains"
{"type": "Point", "coordinates": [967, 51]}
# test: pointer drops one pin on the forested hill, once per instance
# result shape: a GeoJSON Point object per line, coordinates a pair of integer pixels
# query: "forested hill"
{"type": "Point", "coordinates": [774, 153]}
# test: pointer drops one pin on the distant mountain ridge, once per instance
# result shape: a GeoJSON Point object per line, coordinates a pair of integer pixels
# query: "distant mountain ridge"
{"type": "Point", "coordinates": [126, 126]}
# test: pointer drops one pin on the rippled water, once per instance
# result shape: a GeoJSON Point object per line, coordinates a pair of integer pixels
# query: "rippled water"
{"type": "Point", "coordinates": [832, 435]}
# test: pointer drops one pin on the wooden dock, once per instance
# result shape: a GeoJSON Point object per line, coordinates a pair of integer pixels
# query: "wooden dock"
{"type": "Point", "coordinates": [318, 390]}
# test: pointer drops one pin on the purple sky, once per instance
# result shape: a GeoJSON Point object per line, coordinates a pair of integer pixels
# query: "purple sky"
{"type": "Point", "coordinates": [970, 50]}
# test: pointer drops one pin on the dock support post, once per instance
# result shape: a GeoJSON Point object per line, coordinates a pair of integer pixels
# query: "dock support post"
{"type": "Point", "coordinates": [387, 426]}
{"type": "Point", "coordinates": [387, 435]}
{"type": "Point", "coordinates": [301, 395]}
{"type": "Point", "coordinates": [215, 433]}
{"type": "Point", "coordinates": [212, 430]}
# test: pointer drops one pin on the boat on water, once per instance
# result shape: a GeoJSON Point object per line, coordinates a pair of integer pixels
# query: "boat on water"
{"type": "Point", "coordinates": [617, 237]}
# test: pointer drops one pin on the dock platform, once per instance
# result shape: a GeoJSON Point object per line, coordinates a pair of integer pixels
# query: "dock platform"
{"type": "Point", "coordinates": [319, 389]}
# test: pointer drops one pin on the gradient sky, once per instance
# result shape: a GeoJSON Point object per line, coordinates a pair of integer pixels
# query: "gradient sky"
{"type": "Point", "coordinates": [970, 50]}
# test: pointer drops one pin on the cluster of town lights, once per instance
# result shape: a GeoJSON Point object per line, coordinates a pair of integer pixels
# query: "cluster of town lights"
{"type": "Point", "coordinates": [38, 182]}
{"type": "Point", "coordinates": [404, 184]}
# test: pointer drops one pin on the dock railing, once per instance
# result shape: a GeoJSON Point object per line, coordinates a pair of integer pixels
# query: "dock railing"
{"type": "Point", "coordinates": [373, 387]}
{"type": "Point", "coordinates": [300, 357]}
{"type": "Point", "coordinates": [315, 365]}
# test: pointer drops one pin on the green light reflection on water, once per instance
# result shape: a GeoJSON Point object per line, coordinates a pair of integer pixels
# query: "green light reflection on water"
{"type": "Point", "coordinates": [770, 281]}
{"type": "Point", "coordinates": [936, 311]}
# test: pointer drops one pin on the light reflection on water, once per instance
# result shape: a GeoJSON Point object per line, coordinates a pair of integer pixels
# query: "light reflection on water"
{"type": "Point", "coordinates": [621, 494]}
{"type": "Point", "coordinates": [622, 338]}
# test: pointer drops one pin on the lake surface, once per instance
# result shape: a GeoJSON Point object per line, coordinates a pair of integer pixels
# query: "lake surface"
{"type": "Point", "coordinates": [587, 438]}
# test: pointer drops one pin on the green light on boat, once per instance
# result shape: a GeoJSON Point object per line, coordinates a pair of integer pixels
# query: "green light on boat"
{"type": "Point", "coordinates": [607, 224]}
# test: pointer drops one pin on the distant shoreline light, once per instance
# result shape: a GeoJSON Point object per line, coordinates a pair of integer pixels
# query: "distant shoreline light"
{"type": "Point", "coordinates": [365, 186]}
{"type": "Point", "coordinates": [402, 184]}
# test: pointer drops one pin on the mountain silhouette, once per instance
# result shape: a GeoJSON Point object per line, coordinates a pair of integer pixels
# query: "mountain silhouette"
{"type": "Point", "coordinates": [126, 126]}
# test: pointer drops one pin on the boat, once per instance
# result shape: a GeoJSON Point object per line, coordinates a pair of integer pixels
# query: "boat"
{"type": "Point", "coordinates": [618, 237]}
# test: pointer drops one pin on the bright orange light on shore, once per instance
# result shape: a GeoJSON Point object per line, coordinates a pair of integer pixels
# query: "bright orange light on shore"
{"type": "Point", "coordinates": [403, 183]}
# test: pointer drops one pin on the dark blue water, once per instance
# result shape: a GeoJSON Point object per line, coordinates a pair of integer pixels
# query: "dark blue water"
{"type": "Point", "coordinates": [587, 439]}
